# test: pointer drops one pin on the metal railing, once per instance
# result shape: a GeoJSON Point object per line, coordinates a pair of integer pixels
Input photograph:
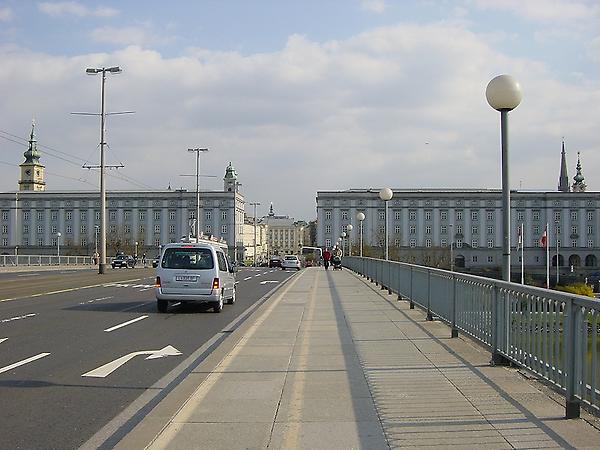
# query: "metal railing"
{"type": "Point", "coordinates": [553, 334]}
{"type": "Point", "coordinates": [44, 260]}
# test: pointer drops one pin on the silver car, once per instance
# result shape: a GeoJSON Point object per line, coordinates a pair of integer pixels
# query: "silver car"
{"type": "Point", "coordinates": [194, 272]}
{"type": "Point", "coordinates": [290, 262]}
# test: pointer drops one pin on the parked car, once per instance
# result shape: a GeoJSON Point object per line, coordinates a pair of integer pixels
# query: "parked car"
{"type": "Point", "coordinates": [275, 261]}
{"type": "Point", "coordinates": [290, 262]}
{"type": "Point", "coordinates": [195, 272]}
{"type": "Point", "coordinates": [123, 261]}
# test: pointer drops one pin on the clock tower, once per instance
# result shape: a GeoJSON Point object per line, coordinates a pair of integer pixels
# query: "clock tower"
{"type": "Point", "coordinates": [32, 171]}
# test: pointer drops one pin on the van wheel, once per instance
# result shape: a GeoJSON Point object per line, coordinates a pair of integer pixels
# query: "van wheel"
{"type": "Point", "coordinates": [232, 299]}
{"type": "Point", "coordinates": [218, 306]}
{"type": "Point", "coordinates": [162, 305]}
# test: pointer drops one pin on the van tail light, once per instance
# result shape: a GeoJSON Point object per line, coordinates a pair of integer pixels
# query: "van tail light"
{"type": "Point", "coordinates": [157, 283]}
{"type": "Point", "coordinates": [215, 284]}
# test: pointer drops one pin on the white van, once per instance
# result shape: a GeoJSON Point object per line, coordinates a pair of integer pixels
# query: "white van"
{"type": "Point", "coordinates": [194, 272]}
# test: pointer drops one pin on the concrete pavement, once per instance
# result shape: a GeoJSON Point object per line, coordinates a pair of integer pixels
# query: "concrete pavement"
{"type": "Point", "coordinates": [331, 362]}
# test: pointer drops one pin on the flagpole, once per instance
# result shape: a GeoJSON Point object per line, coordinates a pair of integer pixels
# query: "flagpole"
{"type": "Point", "coordinates": [547, 258]}
{"type": "Point", "coordinates": [522, 254]}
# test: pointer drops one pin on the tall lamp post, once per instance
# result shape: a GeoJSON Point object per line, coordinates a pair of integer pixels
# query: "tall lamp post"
{"type": "Point", "coordinates": [198, 151]}
{"type": "Point", "coordinates": [136, 250]}
{"type": "Point", "coordinates": [255, 204]}
{"type": "Point", "coordinates": [343, 243]}
{"type": "Point", "coordinates": [58, 235]}
{"type": "Point", "coordinates": [94, 71]}
{"type": "Point", "coordinates": [386, 195]}
{"type": "Point", "coordinates": [451, 247]}
{"type": "Point", "coordinates": [349, 228]}
{"type": "Point", "coordinates": [361, 216]}
{"type": "Point", "coordinates": [503, 93]}
{"type": "Point", "coordinates": [557, 254]}
{"type": "Point", "coordinates": [96, 229]}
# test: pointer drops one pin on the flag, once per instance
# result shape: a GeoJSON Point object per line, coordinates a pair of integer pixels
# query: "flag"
{"type": "Point", "coordinates": [544, 239]}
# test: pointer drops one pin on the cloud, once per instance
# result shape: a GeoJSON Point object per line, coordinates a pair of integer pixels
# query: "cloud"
{"type": "Point", "coordinates": [6, 14]}
{"type": "Point", "coordinates": [544, 10]}
{"type": "Point", "coordinates": [376, 6]}
{"type": "Point", "coordinates": [57, 9]}
{"type": "Point", "coordinates": [123, 36]}
{"type": "Point", "coordinates": [593, 49]}
{"type": "Point", "coordinates": [309, 116]}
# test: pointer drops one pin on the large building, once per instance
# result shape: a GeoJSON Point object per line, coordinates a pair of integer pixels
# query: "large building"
{"type": "Point", "coordinates": [426, 225]}
{"type": "Point", "coordinates": [33, 219]}
{"type": "Point", "coordinates": [285, 236]}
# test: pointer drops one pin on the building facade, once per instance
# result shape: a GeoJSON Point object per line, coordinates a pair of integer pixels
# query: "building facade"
{"type": "Point", "coordinates": [426, 225]}
{"type": "Point", "coordinates": [285, 236]}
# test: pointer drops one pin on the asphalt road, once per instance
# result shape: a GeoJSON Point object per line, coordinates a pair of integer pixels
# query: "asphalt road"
{"type": "Point", "coordinates": [57, 330]}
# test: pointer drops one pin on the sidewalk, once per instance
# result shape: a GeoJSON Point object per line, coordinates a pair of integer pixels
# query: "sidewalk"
{"type": "Point", "coordinates": [331, 362]}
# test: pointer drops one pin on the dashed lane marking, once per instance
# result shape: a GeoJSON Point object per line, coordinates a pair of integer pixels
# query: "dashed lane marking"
{"type": "Point", "coordinates": [17, 318]}
{"type": "Point", "coordinates": [23, 362]}
{"type": "Point", "coordinates": [124, 324]}
{"type": "Point", "coordinates": [95, 300]}
{"type": "Point", "coordinates": [2, 340]}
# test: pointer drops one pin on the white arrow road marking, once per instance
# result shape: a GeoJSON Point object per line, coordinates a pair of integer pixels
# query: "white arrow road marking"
{"type": "Point", "coordinates": [17, 318]}
{"type": "Point", "coordinates": [268, 281]}
{"type": "Point", "coordinates": [22, 363]}
{"type": "Point", "coordinates": [2, 340]}
{"type": "Point", "coordinates": [124, 324]}
{"type": "Point", "coordinates": [107, 369]}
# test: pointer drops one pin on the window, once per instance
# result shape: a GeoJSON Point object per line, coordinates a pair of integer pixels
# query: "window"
{"type": "Point", "coordinates": [397, 229]}
{"type": "Point", "coordinates": [490, 229]}
{"type": "Point", "coordinates": [520, 216]}
{"type": "Point", "coordinates": [83, 216]}
{"type": "Point", "coordinates": [208, 229]}
{"type": "Point", "coordinates": [69, 229]}
{"type": "Point", "coordinates": [208, 215]}
{"type": "Point", "coordinates": [69, 215]}
{"type": "Point", "coordinates": [397, 242]}
{"type": "Point", "coordinates": [536, 215]}
{"type": "Point", "coordinates": [443, 214]}
{"type": "Point", "coordinates": [590, 215]}
{"type": "Point", "coordinates": [381, 215]}
{"type": "Point", "coordinates": [142, 229]}
{"type": "Point", "coordinates": [157, 242]}
{"type": "Point", "coordinates": [381, 229]}
{"type": "Point", "coordinates": [112, 215]}
{"type": "Point", "coordinates": [4, 215]}
{"type": "Point", "coordinates": [474, 230]}
{"type": "Point", "coordinates": [328, 242]}
{"type": "Point", "coordinates": [443, 229]}
{"type": "Point", "coordinates": [25, 241]}
{"type": "Point", "coordinates": [459, 215]}
{"type": "Point", "coordinates": [590, 243]}
{"type": "Point", "coordinates": [142, 215]}
{"type": "Point", "coordinates": [328, 215]}
{"type": "Point", "coordinates": [345, 214]}
{"type": "Point", "coordinates": [459, 229]}
{"type": "Point", "coordinates": [536, 230]}
{"type": "Point", "coordinates": [413, 243]}
{"type": "Point", "coordinates": [574, 243]}
{"type": "Point", "coordinates": [156, 215]}
{"type": "Point", "coordinates": [40, 242]}
{"type": "Point", "coordinates": [112, 228]}
{"type": "Point", "coordinates": [192, 214]}
{"type": "Point", "coordinates": [459, 243]}
{"type": "Point", "coordinates": [573, 229]}
{"type": "Point", "coordinates": [428, 229]}
{"type": "Point", "coordinates": [327, 228]}
{"type": "Point", "coordinates": [474, 258]}
{"type": "Point", "coordinates": [412, 229]}
{"type": "Point", "coordinates": [83, 229]}
{"type": "Point", "coordinates": [83, 242]}
{"type": "Point", "coordinates": [444, 242]}
{"type": "Point", "coordinates": [157, 228]}
{"type": "Point", "coordinates": [412, 215]}
{"type": "Point", "coordinates": [573, 215]}
{"type": "Point", "coordinates": [223, 229]}
{"type": "Point", "coordinates": [25, 215]}
{"type": "Point", "coordinates": [428, 243]}
{"type": "Point", "coordinates": [489, 215]}
{"type": "Point", "coordinates": [40, 215]}
{"type": "Point", "coordinates": [25, 229]}
{"type": "Point", "coordinates": [397, 215]}
{"type": "Point", "coordinates": [490, 259]}
{"type": "Point", "coordinates": [474, 243]}
{"type": "Point", "coordinates": [97, 215]}
{"type": "Point", "coordinates": [5, 242]}
{"type": "Point", "coordinates": [590, 229]}
{"type": "Point", "coordinates": [40, 229]}
{"type": "Point", "coordinates": [474, 215]}
{"type": "Point", "coordinates": [223, 215]}
{"type": "Point", "coordinates": [428, 215]}
{"type": "Point", "coordinates": [556, 216]}
{"type": "Point", "coordinates": [490, 243]}
{"type": "Point", "coordinates": [54, 215]}
{"type": "Point", "coordinates": [4, 229]}
{"type": "Point", "coordinates": [172, 215]}
{"type": "Point", "coordinates": [171, 229]}
{"type": "Point", "coordinates": [53, 229]}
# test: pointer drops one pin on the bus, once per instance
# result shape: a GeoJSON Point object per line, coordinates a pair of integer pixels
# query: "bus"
{"type": "Point", "coordinates": [311, 256]}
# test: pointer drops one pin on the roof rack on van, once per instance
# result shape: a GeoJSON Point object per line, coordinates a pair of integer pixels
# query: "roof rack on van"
{"type": "Point", "coordinates": [203, 238]}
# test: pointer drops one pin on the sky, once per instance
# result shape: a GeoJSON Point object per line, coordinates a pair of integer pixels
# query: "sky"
{"type": "Point", "coordinates": [300, 96]}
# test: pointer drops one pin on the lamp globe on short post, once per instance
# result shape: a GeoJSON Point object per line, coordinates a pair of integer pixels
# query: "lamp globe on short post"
{"type": "Point", "coordinates": [503, 93]}
{"type": "Point", "coordinates": [361, 216]}
{"type": "Point", "coordinates": [343, 243]}
{"type": "Point", "coordinates": [386, 195]}
{"type": "Point", "coordinates": [349, 228]}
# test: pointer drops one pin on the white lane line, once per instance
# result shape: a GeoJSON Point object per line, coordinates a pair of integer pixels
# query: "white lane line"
{"type": "Point", "coordinates": [22, 363]}
{"type": "Point", "coordinates": [136, 306]}
{"type": "Point", "coordinates": [257, 275]}
{"type": "Point", "coordinates": [2, 340]}
{"type": "Point", "coordinates": [95, 300]}
{"type": "Point", "coordinates": [247, 278]}
{"type": "Point", "coordinates": [17, 318]}
{"type": "Point", "coordinates": [124, 324]}
{"type": "Point", "coordinates": [29, 275]}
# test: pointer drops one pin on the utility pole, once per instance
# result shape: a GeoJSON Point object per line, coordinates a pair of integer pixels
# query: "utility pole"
{"type": "Point", "coordinates": [255, 204]}
{"type": "Point", "coordinates": [198, 151]}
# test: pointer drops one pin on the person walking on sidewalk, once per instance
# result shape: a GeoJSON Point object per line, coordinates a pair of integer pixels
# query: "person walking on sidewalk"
{"type": "Point", "coordinates": [326, 258]}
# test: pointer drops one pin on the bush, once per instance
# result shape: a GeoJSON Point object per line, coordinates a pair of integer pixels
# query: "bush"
{"type": "Point", "coordinates": [578, 288]}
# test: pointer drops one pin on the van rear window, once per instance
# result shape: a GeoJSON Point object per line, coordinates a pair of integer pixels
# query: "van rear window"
{"type": "Point", "coordinates": [187, 258]}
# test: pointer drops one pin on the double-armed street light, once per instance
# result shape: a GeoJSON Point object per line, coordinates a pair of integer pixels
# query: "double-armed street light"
{"type": "Point", "coordinates": [386, 195]}
{"type": "Point", "coordinates": [197, 151]}
{"type": "Point", "coordinates": [361, 216]}
{"type": "Point", "coordinates": [255, 204]}
{"type": "Point", "coordinates": [503, 93]}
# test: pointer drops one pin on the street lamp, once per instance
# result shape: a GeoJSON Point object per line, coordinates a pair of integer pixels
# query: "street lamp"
{"type": "Point", "coordinates": [95, 71]}
{"type": "Point", "coordinates": [503, 93]}
{"type": "Point", "coordinates": [343, 242]}
{"type": "Point", "coordinates": [136, 250]}
{"type": "Point", "coordinates": [349, 228]}
{"type": "Point", "coordinates": [361, 216]}
{"type": "Point", "coordinates": [557, 255]}
{"type": "Point", "coordinates": [96, 229]}
{"type": "Point", "coordinates": [451, 247]}
{"type": "Point", "coordinates": [386, 195]}
{"type": "Point", "coordinates": [198, 151]}
{"type": "Point", "coordinates": [255, 204]}
{"type": "Point", "coordinates": [58, 235]}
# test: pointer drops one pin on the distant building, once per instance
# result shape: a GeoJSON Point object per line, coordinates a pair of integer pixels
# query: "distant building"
{"type": "Point", "coordinates": [252, 231]}
{"type": "Point", "coordinates": [424, 223]}
{"type": "Point", "coordinates": [285, 235]}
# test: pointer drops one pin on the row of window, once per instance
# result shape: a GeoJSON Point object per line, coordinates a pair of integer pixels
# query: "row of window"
{"type": "Point", "coordinates": [111, 229]}
{"type": "Point", "coordinates": [112, 215]}
{"type": "Point", "coordinates": [412, 229]}
{"type": "Point", "coordinates": [412, 215]}
{"type": "Point", "coordinates": [459, 243]}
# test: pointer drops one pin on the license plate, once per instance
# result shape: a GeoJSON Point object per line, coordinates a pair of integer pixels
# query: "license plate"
{"type": "Point", "coordinates": [185, 278]}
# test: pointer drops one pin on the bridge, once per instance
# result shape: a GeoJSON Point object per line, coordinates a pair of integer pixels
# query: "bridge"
{"type": "Point", "coordinates": [386, 355]}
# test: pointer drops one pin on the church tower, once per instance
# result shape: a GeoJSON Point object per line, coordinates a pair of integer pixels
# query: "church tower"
{"type": "Point", "coordinates": [579, 185]}
{"type": "Point", "coordinates": [230, 183]}
{"type": "Point", "coordinates": [563, 179]}
{"type": "Point", "coordinates": [32, 171]}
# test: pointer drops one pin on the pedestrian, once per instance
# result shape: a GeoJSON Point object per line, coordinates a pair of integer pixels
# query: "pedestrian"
{"type": "Point", "coordinates": [326, 258]}
{"type": "Point", "coordinates": [144, 259]}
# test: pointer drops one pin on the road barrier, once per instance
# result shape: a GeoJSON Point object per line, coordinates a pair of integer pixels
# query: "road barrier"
{"type": "Point", "coordinates": [553, 334]}
{"type": "Point", "coordinates": [44, 260]}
